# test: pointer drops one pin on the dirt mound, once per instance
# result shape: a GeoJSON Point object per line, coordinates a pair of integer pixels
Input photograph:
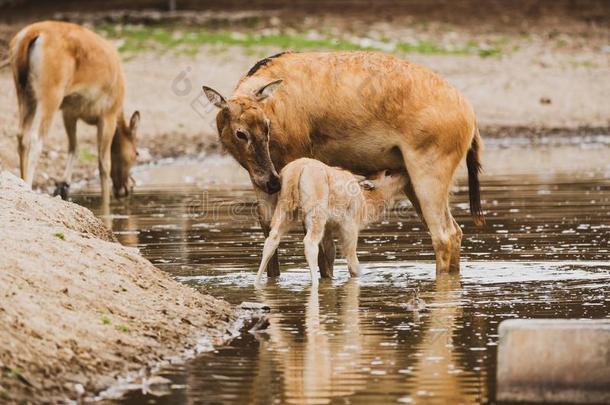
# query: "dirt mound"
{"type": "Point", "coordinates": [28, 208]}
{"type": "Point", "coordinates": [77, 309]}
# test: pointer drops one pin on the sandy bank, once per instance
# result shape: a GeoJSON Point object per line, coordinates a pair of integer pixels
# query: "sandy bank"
{"type": "Point", "coordinates": [77, 308]}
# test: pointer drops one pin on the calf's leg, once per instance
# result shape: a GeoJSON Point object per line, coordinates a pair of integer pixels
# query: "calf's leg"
{"type": "Point", "coordinates": [326, 254]}
{"type": "Point", "coordinates": [280, 225]}
{"type": "Point", "coordinates": [315, 222]}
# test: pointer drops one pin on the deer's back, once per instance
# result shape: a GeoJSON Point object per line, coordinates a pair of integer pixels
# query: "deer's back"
{"type": "Point", "coordinates": [353, 108]}
{"type": "Point", "coordinates": [75, 61]}
{"type": "Point", "coordinates": [308, 184]}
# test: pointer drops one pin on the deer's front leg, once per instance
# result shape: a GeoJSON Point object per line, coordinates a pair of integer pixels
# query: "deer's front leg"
{"type": "Point", "coordinates": [266, 206]}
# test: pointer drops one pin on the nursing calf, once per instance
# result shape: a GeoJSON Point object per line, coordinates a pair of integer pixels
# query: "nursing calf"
{"type": "Point", "coordinates": [64, 66]}
{"type": "Point", "coordinates": [328, 199]}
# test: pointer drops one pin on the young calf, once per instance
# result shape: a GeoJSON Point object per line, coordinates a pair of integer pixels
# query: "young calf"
{"type": "Point", "coordinates": [328, 197]}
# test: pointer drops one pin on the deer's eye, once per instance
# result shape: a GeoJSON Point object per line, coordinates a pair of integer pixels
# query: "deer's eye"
{"type": "Point", "coordinates": [242, 136]}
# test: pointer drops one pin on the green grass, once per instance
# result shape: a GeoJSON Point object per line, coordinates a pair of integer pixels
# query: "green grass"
{"type": "Point", "coordinates": [106, 320]}
{"type": "Point", "coordinates": [60, 235]}
{"type": "Point", "coordinates": [13, 372]}
{"type": "Point", "coordinates": [122, 328]}
{"type": "Point", "coordinates": [87, 156]}
{"type": "Point", "coordinates": [144, 38]}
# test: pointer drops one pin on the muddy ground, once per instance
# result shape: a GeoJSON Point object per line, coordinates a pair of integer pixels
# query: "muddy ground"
{"type": "Point", "coordinates": [544, 72]}
{"type": "Point", "coordinates": [78, 309]}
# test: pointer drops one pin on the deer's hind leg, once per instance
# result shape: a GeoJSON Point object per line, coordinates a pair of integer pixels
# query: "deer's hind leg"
{"type": "Point", "coordinates": [265, 210]}
{"type": "Point", "coordinates": [62, 188]}
{"type": "Point", "coordinates": [431, 179]}
{"type": "Point", "coordinates": [47, 100]}
{"type": "Point", "coordinates": [27, 110]}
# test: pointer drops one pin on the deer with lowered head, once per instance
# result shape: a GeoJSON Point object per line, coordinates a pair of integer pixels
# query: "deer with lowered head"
{"type": "Point", "coordinates": [362, 111]}
{"type": "Point", "coordinates": [63, 66]}
{"type": "Point", "coordinates": [328, 199]}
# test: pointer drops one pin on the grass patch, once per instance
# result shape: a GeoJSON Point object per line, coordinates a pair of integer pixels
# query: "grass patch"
{"type": "Point", "coordinates": [13, 372]}
{"type": "Point", "coordinates": [106, 320]}
{"type": "Point", "coordinates": [86, 155]}
{"type": "Point", "coordinates": [60, 235]}
{"type": "Point", "coordinates": [122, 328]}
{"type": "Point", "coordinates": [161, 38]}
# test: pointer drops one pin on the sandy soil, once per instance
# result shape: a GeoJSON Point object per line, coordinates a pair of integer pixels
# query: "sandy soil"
{"type": "Point", "coordinates": [78, 309]}
{"type": "Point", "coordinates": [551, 75]}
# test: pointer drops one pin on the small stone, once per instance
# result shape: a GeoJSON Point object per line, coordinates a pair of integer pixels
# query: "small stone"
{"type": "Point", "coordinates": [257, 306]}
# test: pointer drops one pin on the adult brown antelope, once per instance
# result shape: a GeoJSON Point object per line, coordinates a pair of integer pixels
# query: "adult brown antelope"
{"type": "Point", "coordinates": [59, 65]}
{"type": "Point", "coordinates": [364, 112]}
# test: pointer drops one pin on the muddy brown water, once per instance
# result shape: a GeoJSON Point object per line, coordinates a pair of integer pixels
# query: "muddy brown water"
{"type": "Point", "coordinates": [543, 254]}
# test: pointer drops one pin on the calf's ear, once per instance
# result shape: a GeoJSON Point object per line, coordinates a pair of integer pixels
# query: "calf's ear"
{"type": "Point", "coordinates": [367, 185]}
{"type": "Point", "coordinates": [267, 90]}
{"type": "Point", "coordinates": [215, 97]}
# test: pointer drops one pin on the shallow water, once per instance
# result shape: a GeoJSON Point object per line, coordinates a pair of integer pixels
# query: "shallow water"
{"type": "Point", "coordinates": [543, 254]}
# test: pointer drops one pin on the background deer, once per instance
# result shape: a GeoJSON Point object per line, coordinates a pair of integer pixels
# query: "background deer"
{"type": "Point", "coordinates": [364, 112]}
{"type": "Point", "coordinates": [64, 66]}
{"type": "Point", "coordinates": [328, 199]}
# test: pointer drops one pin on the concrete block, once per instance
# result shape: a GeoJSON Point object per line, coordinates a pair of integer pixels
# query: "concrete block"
{"type": "Point", "coordinates": [554, 360]}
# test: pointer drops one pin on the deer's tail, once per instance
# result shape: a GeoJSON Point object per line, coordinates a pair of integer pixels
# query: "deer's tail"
{"type": "Point", "coordinates": [20, 58]}
{"type": "Point", "coordinates": [473, 162]}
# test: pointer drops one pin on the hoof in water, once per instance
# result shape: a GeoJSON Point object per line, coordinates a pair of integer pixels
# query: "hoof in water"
{"type": "Point", "coordinates": [62, 189]}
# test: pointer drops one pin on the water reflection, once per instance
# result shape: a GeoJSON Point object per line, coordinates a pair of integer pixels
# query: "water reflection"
{"type": "Point", "coordinates": [436, 352]}
{"type": "Point", "coordinates": [330, 355]}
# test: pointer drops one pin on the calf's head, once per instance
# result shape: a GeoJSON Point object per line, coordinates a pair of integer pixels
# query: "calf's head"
{"type": "Point", "coordinates": [124, 154]}
{"type": "Point", "coordinates": [244, 131]}
{"type": "Point", "coordinates": [386, 184]}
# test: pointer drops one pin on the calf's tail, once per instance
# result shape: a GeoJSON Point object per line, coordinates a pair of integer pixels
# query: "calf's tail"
{"type": "Point", "coordinates": [473, 162]}
{"type": "Point", "coordinates": [289, 194]}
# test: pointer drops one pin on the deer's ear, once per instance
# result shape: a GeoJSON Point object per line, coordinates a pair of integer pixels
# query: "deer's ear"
{"type": "Point", "coordinates": [267, 90]}
{"type": "Point", "coordinates": [367, 185]}
{"type": "Point", "coordinates": [134, 122]}
{"type": "Point", "coordinates": [215, 97]}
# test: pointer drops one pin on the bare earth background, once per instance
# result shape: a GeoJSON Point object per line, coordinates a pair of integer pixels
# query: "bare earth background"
{"type": "Point", "coordinates": [534, 67]}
